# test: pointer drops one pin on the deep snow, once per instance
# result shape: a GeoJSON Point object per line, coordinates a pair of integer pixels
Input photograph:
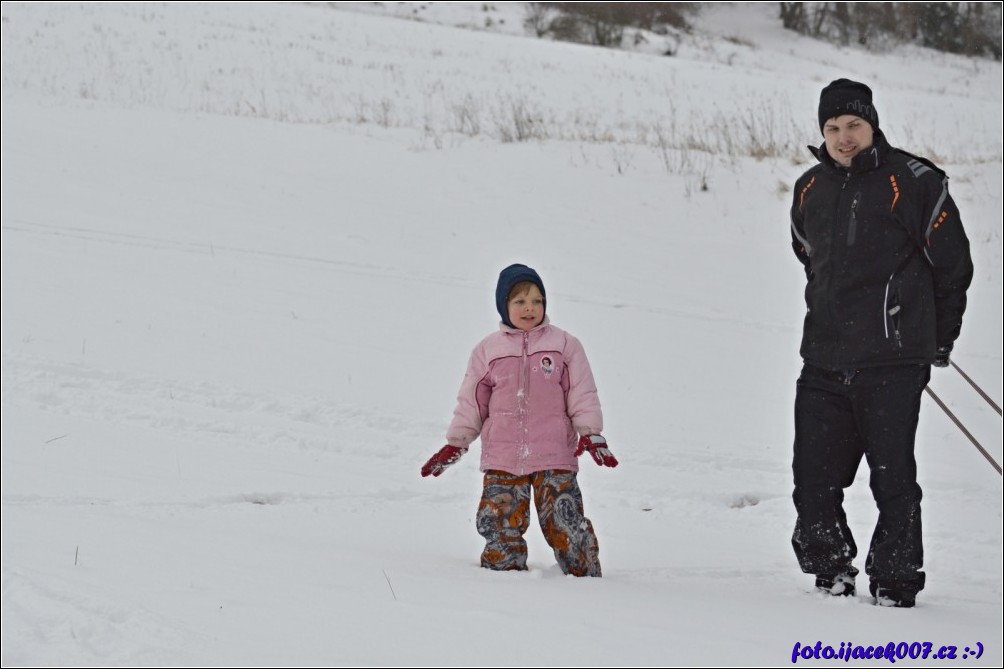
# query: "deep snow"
{"type": "Point", "coordinates": [246, 250]}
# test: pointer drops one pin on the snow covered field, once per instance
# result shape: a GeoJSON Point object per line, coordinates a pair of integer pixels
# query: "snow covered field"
{"type": "Point", "coordinates": [246, 250]}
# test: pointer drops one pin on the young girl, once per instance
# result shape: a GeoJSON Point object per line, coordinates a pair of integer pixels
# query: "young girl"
{"type": "Point", "coordinates": [528, 392]}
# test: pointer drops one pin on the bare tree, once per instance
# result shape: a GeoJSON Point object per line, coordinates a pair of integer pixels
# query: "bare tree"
{"type": "Point", "coordinates": [540, 17]}
{"type": "Point", "coordinates": [969, 28]}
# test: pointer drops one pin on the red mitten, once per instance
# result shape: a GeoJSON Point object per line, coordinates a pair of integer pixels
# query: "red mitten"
{"type": "Point", "coordinates": [597, 447]}
{"type": "Point", "coordinates": [446, 456]}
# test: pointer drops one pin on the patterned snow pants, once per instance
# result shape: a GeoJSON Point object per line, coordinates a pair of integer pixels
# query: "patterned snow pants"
{"type": "Point", "coordinates": [504, 517]}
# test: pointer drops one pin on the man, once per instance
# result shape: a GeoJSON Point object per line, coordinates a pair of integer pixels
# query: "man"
{"type": "Point", "coordinates": [887, 265]}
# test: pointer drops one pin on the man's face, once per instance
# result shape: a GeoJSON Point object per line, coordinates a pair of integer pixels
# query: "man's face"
{"type": "Point", "coordinates": [846, 136]}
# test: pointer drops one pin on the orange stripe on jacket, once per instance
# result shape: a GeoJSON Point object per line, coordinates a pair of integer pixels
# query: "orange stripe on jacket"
{"type": "Point", "coordinates": [895, 191]}
{"type": "Point", "coordinates": [937, 224]}
{"type": "Point", "coordinates": [801, 197]}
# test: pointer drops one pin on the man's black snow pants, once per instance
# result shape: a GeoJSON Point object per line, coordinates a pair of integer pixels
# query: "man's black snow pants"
{"type": "Point", "coordinates": [840, 417]}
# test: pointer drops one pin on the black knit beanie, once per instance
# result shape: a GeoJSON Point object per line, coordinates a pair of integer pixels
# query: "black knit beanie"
{"type": "Point", "coordinates": [508, 278]}
{"type": "Point", "coordinates": [844, 96]}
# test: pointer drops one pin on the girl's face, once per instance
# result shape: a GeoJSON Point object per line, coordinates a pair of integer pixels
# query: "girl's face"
{"type": "Point", "coordinates": [846, 136]}
{"type": "Point", "coordinates": [526, 310]}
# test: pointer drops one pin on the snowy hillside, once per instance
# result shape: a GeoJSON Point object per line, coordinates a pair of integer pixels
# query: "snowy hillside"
{"type": "Point", "coordinates": [247, 249]}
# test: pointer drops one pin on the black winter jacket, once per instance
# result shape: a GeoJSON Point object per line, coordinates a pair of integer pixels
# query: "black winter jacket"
{"type": "Point", "coordinates": [886, 258]}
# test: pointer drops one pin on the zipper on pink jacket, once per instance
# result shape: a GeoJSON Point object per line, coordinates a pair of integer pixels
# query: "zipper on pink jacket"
{"type": "Point", "coordinates": [523, 452]}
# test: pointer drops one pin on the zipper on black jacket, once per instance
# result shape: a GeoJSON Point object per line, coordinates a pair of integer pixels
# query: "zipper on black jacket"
{"type": "Point", "coordinates": [838, 256]}
{"type": "Point", "coordinates": [892, 313]}
{"type": "Point", "coordinates": [852, 224]}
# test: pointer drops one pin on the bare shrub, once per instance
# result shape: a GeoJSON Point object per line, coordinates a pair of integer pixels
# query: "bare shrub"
{"type": "Point", "coordinates": [622, 154]}
{"type": "Point", "coordinates": [604, 23]}
{"type": "Point", "coordinates": [467, 116]}
{"type": "Point", "coordinates": [518, 120]}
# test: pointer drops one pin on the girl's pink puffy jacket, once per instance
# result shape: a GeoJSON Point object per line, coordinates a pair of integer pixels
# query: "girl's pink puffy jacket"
{"type": "Point", "coordinates": [528, 394]}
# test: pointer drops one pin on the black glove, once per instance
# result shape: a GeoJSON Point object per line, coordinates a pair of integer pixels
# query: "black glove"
{"type": "Point", "coordinates": [941, 355]}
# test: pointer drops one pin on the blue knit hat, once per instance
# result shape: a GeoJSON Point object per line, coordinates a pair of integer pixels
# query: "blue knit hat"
{"type": "Point", "coordinates": [508, 278]}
